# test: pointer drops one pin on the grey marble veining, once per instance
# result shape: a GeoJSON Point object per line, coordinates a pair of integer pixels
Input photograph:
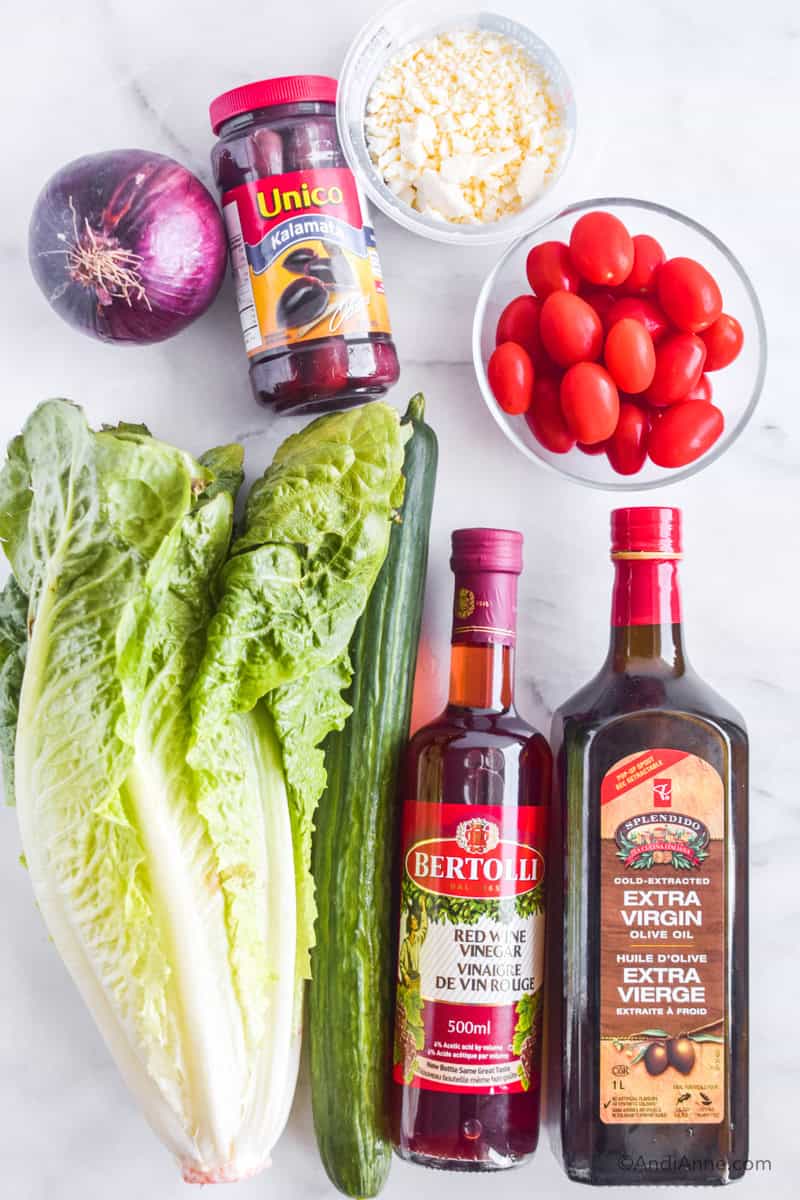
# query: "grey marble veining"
{"type": "Point", "coordinates": [694, 105]}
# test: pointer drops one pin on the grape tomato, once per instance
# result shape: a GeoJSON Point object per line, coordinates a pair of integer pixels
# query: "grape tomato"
{"type": "Point", "coordinates": [702, 390]}
{"type": "Point", "coordinates": [590, 402]}
{"type": "Point", "coordinates": [688, 294]}
{"type": "Point", "coordinates": [602, 301]}
{"type": "Point", "coordinates": [545, 418]}
{"type": "Point", "coordinates": [550, 268]}
{"type": "Point", "coordinates": [684, 433]}
{"type": "Point", "coordinates": [648, 255]}
{"type": "Point", "coordinates": [627, 447]}
{"type": "Point", "coordinates": [519, 322]}
{"type": "Point", "coordinates": [601, 248]}
{"type": "Point", "coordinates": [641, 309]}
{"type": "Point", "coordinates": [570, 329]}
{"type": "Point", "coordinates": [630, 356]}
{"type": "Point", "coordinates": [511, 378]}
{"type": "Point", "coordinates": [679, 365]}
{"type": "Point", "coordinates": [723, 341]}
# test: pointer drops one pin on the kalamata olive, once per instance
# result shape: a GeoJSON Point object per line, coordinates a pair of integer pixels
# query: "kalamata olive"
{"type": "Point", "coordinates": [229, 170]}
{"type": "Point", "coordinates": [388, 367]}
{"type": "Point", "coordinates": [680, 1052]}
{"type": "Point", "coordinates": [312, 143]}
{"type": "Point", "coordinates": [277, 380]}
{"type": "Point", "coordinates": [297, 260]}
{"type": "Point", "coordinates": [302, 302]}
{"type": "Point", "coordinates": [655, 1059]}
{"type": "Point", "coordinates": [266, 150]}
{"type": "Point", "coordinates": [325, 368]}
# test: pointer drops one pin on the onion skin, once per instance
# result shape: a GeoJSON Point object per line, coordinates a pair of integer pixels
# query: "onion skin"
{"type": "Point", "coordinates": [152, 230]}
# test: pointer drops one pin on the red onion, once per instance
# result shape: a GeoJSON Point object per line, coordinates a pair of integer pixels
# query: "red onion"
{"type": "Point", "coordinates": [127, 246]}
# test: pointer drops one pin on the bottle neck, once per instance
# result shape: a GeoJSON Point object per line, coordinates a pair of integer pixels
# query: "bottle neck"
{"type": "Point", "coordinates": [646, 632]}
{"type": "Point", "coordinates": [484, 634]}
{"type": "Point", "coordinates": [482, 677]}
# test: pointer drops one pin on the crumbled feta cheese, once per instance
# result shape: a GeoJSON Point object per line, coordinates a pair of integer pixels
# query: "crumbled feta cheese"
{"type": "Point", "coordinates": [462, 144]}
{"type": "Point", "coordinates": [459, 168]}
{"type": "Point", "coordinates": [412, 148]}
{"type": "Point", "coordinates": [446, 198]}
{"type": "Point", "coordinates": [530, 179]}
{"type": "Point", "coordinates": [462, 126]}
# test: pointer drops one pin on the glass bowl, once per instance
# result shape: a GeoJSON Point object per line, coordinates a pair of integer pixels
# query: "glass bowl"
{"type": "Point", "coordinates": [736, 389]}
{"type": "Point", "coordinates": [380, 39]}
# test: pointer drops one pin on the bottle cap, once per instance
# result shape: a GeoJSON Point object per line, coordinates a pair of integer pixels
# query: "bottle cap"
{"type": "Point", "coordinates": [487, 550]}
{"type": "Point", "coordinates": [286, 89]}
{"type": "Point", "coordinates": [646, 533]}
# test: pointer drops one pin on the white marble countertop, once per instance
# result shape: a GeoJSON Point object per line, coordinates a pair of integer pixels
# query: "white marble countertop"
{"type": "Point", "coordinates": [694, 105]}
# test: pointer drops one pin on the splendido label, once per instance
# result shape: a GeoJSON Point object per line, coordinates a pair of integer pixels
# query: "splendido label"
{"type": "Point", "coordinates": [662, 941]}
{"type": "Point", "coordinates": [304, 260]}
{"type": "Point", "coordinates": [470, 964]}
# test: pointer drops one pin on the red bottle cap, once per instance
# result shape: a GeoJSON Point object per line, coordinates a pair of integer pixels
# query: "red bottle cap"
{"type": "Point", "coordinates": [646, 533]}
{"type": "Point", "coordinates": [287, 89]}
{"type": "Point", "coordinates": [487, 550]}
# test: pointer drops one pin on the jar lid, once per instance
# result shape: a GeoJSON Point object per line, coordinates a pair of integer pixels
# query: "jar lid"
{"type": "Point", "coordinates": [287, 89]}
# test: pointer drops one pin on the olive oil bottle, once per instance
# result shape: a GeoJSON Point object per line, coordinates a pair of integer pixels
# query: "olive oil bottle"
{"type": "Point", "coordinates": [652, 769]}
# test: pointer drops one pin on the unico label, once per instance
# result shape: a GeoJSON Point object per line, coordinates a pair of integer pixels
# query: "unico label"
{"type": "Point", "coordinates": [304, 259]}
{"type": "Point", "coordinates": [470, 963]}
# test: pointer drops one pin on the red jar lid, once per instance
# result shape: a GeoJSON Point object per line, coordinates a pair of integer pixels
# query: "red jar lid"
{"type": "Point", "coordinates": [650, 532]}
{"type": "Point", "coordinates": [287, 89]}
{"type": "Point", "coordinates": [487, 550]}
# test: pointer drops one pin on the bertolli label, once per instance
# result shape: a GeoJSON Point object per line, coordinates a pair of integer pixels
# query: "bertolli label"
{"type": "Point", "coordinates": [471, 947]}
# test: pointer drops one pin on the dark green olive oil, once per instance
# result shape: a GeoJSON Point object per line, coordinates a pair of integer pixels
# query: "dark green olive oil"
{"type": "Point", "coordinates": [652, 772]}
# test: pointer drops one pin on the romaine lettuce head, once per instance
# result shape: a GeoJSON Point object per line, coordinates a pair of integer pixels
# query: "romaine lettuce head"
{"type": "Point", "coordinates": [117, 540]}
{"type": "Point", "coordinates": [162, 705]}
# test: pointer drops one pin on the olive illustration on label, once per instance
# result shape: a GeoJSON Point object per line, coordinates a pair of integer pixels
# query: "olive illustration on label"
{"type": "Point", "coordinates": [680, 1053]}
{"type": "Point", "coordinates": [655, 1059]}
{"type": "Point", "coordinates": [298, 259]}
{"type": "Point", "coordinates": [333, 271]}
{"type": "Point", "coordinates": [303, 301]}
{"type": "Point", "coordinates": [321, 269]}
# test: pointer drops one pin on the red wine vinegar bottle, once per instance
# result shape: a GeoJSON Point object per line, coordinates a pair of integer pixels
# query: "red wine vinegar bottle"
{"type": "Point", "coordinates": [652, 768]}
{"type": "Point", "coordinates": [466, 1069]}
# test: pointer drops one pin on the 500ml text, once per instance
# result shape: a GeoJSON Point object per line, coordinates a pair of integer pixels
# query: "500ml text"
{"type": "Point", "coordinates": [469, 1027]}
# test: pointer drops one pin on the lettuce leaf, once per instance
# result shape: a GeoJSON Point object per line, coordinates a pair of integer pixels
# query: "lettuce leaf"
{"type": "Point", "coordinates": [13, 650]}
{"type": "Point", "coordinates": [316, 532]}
{"type": "Point", "coordinates": [304, 713]}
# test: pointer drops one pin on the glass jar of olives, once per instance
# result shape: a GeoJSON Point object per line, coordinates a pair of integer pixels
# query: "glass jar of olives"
{"type": "Point", "coordinates": [308, 278]}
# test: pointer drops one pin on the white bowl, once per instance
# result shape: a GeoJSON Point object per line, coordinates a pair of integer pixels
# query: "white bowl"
{"type": "Point", "coordinates": [736, 389]}
{"type": "Point", "coordinates": [381, 39]}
